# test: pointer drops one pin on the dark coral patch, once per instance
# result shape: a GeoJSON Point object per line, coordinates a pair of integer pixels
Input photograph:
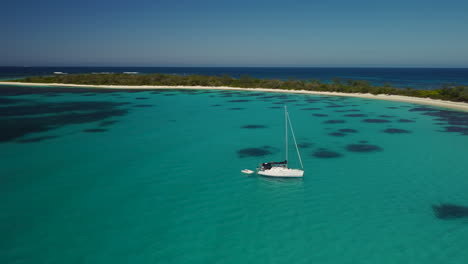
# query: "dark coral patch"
{"type": "Point", "coordinates": [375, 120]}
{"type": "Point", "coordinates": [143, 105]}
{"type": "Point", "coordinates": [55, 108]}
{"type": "Point", "coordinates": [215, 105]}
{"type": "Point", "coordinates": [95, 130]}
{"type": "Point", "coordinates": [456, 129]}
{"type": "Point", "coordinates": [451, 117]}
{"type": "Point", "coordinates": [342, 98]}
{"type": "Point", "coordinates": [254, 152]}
{"type": "Point", "coordinates": [281, 96]}
{"type": "Point", "coordinates": [239, 101]}
{"type": "Point", "coordinates": [19, 127]}
{"type": "Point", "coordinates": [386, 116]}
{"type": "Point", "coordinates": [247, 94]}
{"type": "Point", "coordinates": [422, 109]}
{"type": "Point", "coordinates": [355, 115]}
{"type": "Point", "coordinates": [348, 110]}
{"type": "Point", "coordinates": [334, 122]}
{"type": "Point", "coordinates": [267, 97]}
{"type": "Point", "coordinates": [35, 139]}
{"type": "Point", "coordinates": [255, 94]}
{"type": "Point", "coordinates": [348, 130]}
{"type": "Point", "coordinates": [363, 148]}
{"type": "Point", "coordinates": [275, 107]}
{"type": "Point", "coordinates": [142, 98]}
{"type": "Point", "coordinates": [450, 211]}
{"type": "Point", "coordinates": [228, 93]}
{"type": "Point", "coordinates": [463, 130]}
{"type": "Point", "coordinates": [304, 145]}
{"type": "Point", "coordinates": [320, 115]}
{"type": "Point", "coordinates": [5, 100]}
{"type": "Point", "coordinates": [253, 126]}
{"type": "Point", "coordinates": [405, 120]}
{"type": "Point", "coordinates": [24, 120]}
{"type": "Point", "coordinates": [334, 106]}
{"type": "Point", "coordinates": [188, 91]}
{"type": "Point", "coordinates": [392, 107]}
{"type": "Point", "coordinates": [107, 123]}
{"type": "Point", "coordinates": [457, 121]}
{"type": "Point", "coordinates": [396, 131]}
{"type": "Point", "coordinates": [326, 154]}
{"type": "Point", "coordinates": [236, 108]}
{"type": "Point", "coordinates": [337, 134]}
{"type": "Point", "coordinates": [311, 108]}
{"type": "Point", "coordinates": [57, 94]}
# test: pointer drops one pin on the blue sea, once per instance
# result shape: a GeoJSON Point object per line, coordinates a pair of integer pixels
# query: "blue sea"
{"type": "Point", "coordinates": [122, 176]}
{"type": "Point", "coordinates": [418, 78]}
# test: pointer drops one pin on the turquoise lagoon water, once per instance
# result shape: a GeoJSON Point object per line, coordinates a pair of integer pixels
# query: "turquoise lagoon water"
{"type": "Point", "coordinates": [154, 177]}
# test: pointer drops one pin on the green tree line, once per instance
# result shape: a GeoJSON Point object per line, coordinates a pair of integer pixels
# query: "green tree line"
{"type": "Point", "coordinates": [448, 92]}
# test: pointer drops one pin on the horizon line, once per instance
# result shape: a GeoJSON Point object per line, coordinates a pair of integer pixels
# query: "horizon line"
{"type": "Point", "coordinates": [109, 66]}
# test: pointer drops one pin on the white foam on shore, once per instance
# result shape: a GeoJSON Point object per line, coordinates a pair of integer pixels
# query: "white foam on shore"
{"type": "Point", "coordinates": [408, 99]}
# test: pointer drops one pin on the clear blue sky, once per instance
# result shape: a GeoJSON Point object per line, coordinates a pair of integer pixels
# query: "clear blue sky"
{"type": "Point", "coordinates": [235, 33]}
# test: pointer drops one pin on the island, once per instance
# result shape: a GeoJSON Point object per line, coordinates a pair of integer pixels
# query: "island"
{"type": "Point", "coordinates": [450, 96]}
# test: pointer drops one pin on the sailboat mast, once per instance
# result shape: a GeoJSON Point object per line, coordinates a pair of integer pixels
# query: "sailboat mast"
{"type": "Point", "coordinates": [286, 129]}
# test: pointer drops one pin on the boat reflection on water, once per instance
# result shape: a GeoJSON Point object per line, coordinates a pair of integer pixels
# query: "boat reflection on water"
{"type": "Point", "coordinates": [280, 182]}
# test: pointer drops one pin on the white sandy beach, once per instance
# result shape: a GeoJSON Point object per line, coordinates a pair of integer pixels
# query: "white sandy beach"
{"type": "Point", "coordinates": [416, 100]}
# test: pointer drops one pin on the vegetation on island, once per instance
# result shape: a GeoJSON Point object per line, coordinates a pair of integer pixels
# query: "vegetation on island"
{"type": "Point", "coordinates": [448, 92]}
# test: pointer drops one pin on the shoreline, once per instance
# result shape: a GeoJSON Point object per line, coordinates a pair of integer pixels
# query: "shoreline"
{"type": "Point", "coordinates": [399, 98]}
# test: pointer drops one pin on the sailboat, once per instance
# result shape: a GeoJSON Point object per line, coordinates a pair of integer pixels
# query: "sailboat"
{"type": "Point", "coordinates": [280, 169]}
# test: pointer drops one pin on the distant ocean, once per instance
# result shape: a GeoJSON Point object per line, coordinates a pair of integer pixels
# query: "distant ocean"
{"type": "Point", "coordinates": [419, 78]}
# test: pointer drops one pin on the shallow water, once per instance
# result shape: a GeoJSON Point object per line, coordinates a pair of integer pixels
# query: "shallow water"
{"type": "Point", "coordinates": [106, 176]}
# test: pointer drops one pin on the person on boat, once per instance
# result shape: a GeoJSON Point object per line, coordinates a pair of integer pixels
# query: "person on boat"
{"type": "Point", "coordinates": [266, 165]}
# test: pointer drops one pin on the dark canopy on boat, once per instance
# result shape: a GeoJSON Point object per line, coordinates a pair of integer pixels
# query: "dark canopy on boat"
{"type": "Point", "coordinates": [267, 165]}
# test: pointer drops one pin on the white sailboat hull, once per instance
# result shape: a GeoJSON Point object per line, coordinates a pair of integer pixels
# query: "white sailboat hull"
{"type": "Point", "coordinates": [281, 172]}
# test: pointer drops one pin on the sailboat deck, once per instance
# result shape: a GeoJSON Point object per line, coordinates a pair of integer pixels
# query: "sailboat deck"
{"type": "Point", "coordinates": [281, 172]}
